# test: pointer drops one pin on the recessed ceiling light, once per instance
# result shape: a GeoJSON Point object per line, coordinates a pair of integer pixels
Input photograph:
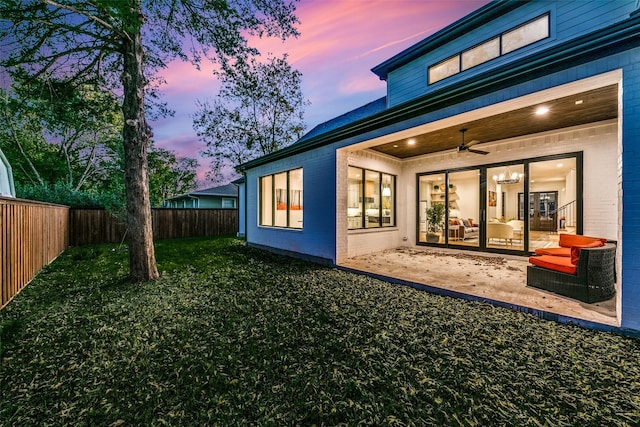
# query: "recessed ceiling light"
{"type": "Point", "coordinates": [411, 141]}
{"type": "Point", "coordinates": [559, 165]}
{"type": "Point", "coordinates": [395, 145]}
{"type": "Point", "coordinates": [579, 101]}
{"type": "Point", "coordinates": [542, 110]}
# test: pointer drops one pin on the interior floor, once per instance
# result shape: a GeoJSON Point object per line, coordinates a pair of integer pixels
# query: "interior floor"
{"type": "Point", "coordinates": [537, 239]}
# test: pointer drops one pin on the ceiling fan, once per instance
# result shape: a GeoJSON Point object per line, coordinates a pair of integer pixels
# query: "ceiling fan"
{"type": "Point", "coordinates": [467, 147]}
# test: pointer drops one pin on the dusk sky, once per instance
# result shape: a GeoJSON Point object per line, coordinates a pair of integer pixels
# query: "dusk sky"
{"type": "Point", "coordinates": [340, 41]}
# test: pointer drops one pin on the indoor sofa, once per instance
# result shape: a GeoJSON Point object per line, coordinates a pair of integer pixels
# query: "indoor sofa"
{"type": "Point", "coordinates": [584, 271]}
{"type": "Point", "coordinates": [465, 229]}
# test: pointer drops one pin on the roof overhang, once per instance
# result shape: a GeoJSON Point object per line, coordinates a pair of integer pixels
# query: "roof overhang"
{"type": "Point", "coordinates": [616, 38]}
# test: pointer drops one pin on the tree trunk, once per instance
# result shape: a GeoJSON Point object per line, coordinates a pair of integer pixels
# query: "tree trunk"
{"type": "Point", "coordinates": [136, 135]}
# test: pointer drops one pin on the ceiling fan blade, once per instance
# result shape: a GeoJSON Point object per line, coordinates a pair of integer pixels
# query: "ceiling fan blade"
{"type": "Point", "coordinates": [472, 143]}
{"type": "Point", "coordinates": [471, 150]}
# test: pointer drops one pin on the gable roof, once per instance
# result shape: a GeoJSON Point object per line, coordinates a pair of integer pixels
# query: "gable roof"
{"type": "Point", "coordinates": [347, 118]}
{"type": "Point", "coordinates": [228, 190]}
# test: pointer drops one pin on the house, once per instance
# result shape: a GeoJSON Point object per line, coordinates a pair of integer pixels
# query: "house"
{"type": "Point", "coordinates": [223, 197]}
{"type": "Point", "coordinates": [525, 112]}
{"type": "Point", "coordinates": [6, 178]}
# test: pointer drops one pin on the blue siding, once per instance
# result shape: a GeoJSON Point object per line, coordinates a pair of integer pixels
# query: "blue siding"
{"type": "Point", "coordinates": [568, 20]}
{"type": "Point", "coordinates": [631, 194]}
{"type": "Point", "coordinates": [317, 237]}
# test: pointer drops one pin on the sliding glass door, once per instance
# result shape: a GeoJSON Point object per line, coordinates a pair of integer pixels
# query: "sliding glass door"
{"type": "Point", "coordinates": [464, 208]}
{"type": "Point", "coordinates": [511, 207]}
{"type": "Point", "coordinates": [504, 230]}
{"type": "Point", "coordinates": [432, 200]}
{"type": "Point", "coordinates": [552, 201]}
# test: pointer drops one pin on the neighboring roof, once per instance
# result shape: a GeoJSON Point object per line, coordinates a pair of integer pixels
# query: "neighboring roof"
{"type": "Point", "coordinates": [347, 118]}
{"type": "Point", "coordinates": [460, 27]}
{"type": "Point", "coordinates": [228, 190]}
{"type": "Point", "coordinates": [604, 42]}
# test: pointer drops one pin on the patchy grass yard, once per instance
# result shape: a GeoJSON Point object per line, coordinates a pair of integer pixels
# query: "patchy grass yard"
{"type": "Point", "coordinates": [230, 335]}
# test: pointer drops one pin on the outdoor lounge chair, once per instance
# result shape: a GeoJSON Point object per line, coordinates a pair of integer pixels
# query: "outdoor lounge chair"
{"type": "Point", "coordinates": [594, 279]}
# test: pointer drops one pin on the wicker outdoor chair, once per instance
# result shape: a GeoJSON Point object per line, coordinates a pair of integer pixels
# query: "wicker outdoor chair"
{"type": "Point", "coordinates": [594, 280]}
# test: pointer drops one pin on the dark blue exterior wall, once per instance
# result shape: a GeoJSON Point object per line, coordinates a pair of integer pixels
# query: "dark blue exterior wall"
{"type": "Point", "coordinates": [631, 192]}
{"type": "Point", "coordinates": [569, 20]}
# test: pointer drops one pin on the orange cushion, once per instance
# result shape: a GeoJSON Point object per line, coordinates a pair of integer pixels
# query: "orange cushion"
{"type": "Point", "coordinates": [557, 263]}
{"type": "Point", "coordinates": [554, 251]}
{"type": "Point", "coordinates": [575, 250]}
{"type": "Point", "coordinates": [568, 240]}
{"type": "Point", "coordinates": [454, 222]}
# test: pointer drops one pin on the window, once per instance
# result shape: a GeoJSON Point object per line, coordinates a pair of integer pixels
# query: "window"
{"type": "Point", "coordinates": [370, 199]}
{"type": "Point", "coordinates": [281, 199]}
{"type": "Point", "coordinates": [228, 203]}
{"type": "Point", "coordinates": [513, 39]}
{"type": "Point", "coordinates": [444, 69]}
{"type": "Point", "coordinates": [481, 53]}
{"type": "Point", "coordinates": [526, 34]}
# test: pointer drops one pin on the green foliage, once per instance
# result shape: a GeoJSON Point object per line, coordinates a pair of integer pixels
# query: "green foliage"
{"type": "Point", "coordinates": [61, 194]}
{"type": "Point", "coordinates": [435, 216]}
{"type": "Point", "coordinates": [169, 175]}
{"type": "Point", "coordinates": [55, 132]}
{"type": "Point", "coordinates": [231, 335]}
{"type": "Point", "coordinates": [258, 110]}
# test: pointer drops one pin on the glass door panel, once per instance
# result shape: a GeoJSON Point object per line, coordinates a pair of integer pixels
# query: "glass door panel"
{"type": "Point", "coordinates": [431, 208]}
{"type": "Point", "coordinates": [504, 227]}
{"type": "Point", "coordinates": [464, 208]}
{"type": "Point", "coordinates": [551, 201]}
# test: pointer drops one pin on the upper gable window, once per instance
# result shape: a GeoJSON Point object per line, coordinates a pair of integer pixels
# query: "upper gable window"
{"type": "Point", "coordinates": [513, 39]}
{"type": "Point", "coordinates": [481, 53]}
{"type": "Point", "coordinates": [526, 34]}
{"type": "Point", "coordinates": [444, 69]}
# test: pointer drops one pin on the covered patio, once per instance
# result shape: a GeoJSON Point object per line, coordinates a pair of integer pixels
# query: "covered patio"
{"type": "Point", "coordinates": [498, 279]}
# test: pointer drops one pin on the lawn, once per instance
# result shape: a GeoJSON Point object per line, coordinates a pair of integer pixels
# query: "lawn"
{"type": "Point", "coordinates": [230, 335]}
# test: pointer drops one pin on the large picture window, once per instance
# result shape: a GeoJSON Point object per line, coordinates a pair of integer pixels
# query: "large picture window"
{"type": "Point", "coordinates": [281, 199]}
{"type": "Point", "coordinates": [370, 199]}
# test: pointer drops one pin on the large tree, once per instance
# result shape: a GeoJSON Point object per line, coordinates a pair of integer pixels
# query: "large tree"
{"type": "Point", "coordinates": [119, 45]}
{"type": "Point", "coordinates": [259, 109]}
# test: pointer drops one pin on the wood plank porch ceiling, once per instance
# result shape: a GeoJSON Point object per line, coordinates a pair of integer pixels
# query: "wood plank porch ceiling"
{"type": "Point", "coordinates": [597, 105]}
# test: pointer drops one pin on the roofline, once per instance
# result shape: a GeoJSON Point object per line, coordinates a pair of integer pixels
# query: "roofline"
{"type": "Point", "coordinates": [618, 37]}
{"type": "Point", "coordinates": [462, 26]}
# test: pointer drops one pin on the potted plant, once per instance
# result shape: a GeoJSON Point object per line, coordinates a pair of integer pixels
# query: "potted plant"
{"type": "Point", "coordinates": [435, 216]}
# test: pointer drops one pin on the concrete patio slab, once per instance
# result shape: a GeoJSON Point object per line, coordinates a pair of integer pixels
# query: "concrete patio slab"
{"type": "Point", "coordinates": [500, 278]}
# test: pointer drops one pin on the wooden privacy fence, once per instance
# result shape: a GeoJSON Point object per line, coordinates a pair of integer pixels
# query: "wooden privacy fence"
{"type": "Point", "coordinates": [93, 226]}
{"type": "Point", "coordinates": [32, 234]}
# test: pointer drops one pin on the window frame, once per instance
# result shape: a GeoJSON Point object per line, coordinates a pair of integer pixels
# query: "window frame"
{"type": "Point", "coordinates": [273, 198]}
{"type": "Point", "coordinates": [501, 52]}
{"type": "Point", "coordinates": [393, 216]}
